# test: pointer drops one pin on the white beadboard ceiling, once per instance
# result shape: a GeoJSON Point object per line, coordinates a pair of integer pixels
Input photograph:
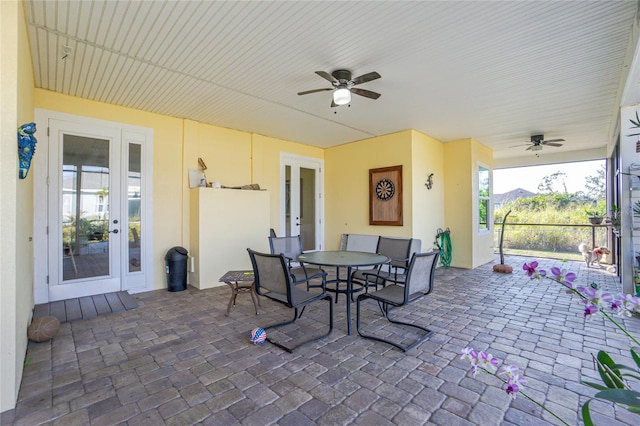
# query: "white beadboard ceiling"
{"type": "Point", "coordinates": [495, 71]}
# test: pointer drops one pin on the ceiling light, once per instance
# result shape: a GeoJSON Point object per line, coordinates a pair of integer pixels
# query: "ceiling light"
{"type": "Point", "coordinates": [341, 96]}
{"type": "Point", "coordinates": [536, 148]}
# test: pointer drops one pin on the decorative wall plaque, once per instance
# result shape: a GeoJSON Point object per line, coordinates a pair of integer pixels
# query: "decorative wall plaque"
{"type": "Point", "coordinates": [385, 196]}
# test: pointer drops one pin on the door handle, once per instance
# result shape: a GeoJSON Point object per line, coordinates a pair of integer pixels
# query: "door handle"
{"type": "Point", "coordinates": [115, 231]}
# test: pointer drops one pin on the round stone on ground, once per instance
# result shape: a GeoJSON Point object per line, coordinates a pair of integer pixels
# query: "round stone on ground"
{"type": "Point", "coordinates": [43, 328]}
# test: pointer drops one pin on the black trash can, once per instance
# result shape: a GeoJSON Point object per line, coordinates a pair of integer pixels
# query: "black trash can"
{"type": "Point", "coordinates": [176, 268]}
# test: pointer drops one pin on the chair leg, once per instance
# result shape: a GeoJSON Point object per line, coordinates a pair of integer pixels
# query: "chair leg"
{"type": "Point", "coordinates": [296, 316]}
{"type": "Point", "coordinates": [406, 348]}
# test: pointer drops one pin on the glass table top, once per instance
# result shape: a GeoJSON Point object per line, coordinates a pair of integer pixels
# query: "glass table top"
{"type": "Point", "coordinates": [343, 258]}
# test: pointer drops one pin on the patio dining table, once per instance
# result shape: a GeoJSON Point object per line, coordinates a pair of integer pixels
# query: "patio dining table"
{"type": "Point", "coordinates": [343, 259]}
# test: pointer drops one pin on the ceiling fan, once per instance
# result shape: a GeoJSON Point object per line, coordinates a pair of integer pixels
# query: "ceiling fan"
{"type": "Point", "coordinates": [537, 141]}
{"type": "Point", "coordinates": [343, 86]}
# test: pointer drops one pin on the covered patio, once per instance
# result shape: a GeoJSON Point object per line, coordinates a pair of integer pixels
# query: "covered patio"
{"type": "Point", "coordinates": [177, 359]}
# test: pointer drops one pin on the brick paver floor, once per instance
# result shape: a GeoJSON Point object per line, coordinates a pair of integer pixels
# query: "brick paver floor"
{"type": "Point", "coordinates": [178, 360]}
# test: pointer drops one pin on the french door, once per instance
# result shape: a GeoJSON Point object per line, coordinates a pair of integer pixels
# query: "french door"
{"type": "Point", "coordinates": [97, 210]}
{"type": "Point", "coordinates": [301, 205]}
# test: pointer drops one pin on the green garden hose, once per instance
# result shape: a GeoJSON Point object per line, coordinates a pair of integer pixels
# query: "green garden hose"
{"type": "Point", "coordinates": [444, 246]}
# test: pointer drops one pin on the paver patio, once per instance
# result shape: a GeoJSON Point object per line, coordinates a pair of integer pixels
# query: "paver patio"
{"type": "Point", "coordinates": [177, 360]}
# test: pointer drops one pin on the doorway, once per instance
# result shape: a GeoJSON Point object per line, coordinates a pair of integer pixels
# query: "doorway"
{"type": "Point", "coordinates": [97, 209]}
{"type": "Point", "coordinates": [301, 206]}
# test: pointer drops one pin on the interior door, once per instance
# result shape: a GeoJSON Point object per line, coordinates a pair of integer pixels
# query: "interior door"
{"type": "Point", "coordinates": [303, 209]}
{"type": "Point", "coordinates": [84, 218]}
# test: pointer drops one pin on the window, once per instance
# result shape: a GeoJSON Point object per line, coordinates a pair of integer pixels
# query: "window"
{"type": "Point", "coordinates": [483, 198]}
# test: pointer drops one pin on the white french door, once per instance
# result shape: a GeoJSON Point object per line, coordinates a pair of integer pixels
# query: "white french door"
{"type": "Point", "coordinates": [301, 207]}
{"type": "Point", "coordinates": [97, 211]}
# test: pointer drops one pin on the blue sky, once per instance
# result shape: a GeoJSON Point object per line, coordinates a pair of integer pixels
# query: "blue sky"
{"type": "Point", "coordinates": [505, 180]}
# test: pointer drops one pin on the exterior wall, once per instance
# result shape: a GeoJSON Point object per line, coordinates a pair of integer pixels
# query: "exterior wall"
{"type": "Point", "coordinates": [16, 274]}
{"type": "Point", "coordinates": [470, 248]}
{"type": "Point", "coordinates": [458, 209]}
{"type": "Point", "coordinates": [347, 185]}
{"type": "Point", "coordinates": [232, 157]}
{"type": "Point", "coordinates": [169, 180]}
{"type": "Point", "coordinates": [266, 169]}
{"type": "Point", "coordinates": [427, 156]}
{"type": "Point", "coordinates": [482, 241]}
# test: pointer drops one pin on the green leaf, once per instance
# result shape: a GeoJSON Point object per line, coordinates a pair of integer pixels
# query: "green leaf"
{"type": "Point", "coordinates": [635, 357]}
{"type": "Point", "coordinates": [633, 376]}
{"type": "Point", "coordinates": [609, 374]}
{"type": "Point", "coordinates": [586, 415]}
{"type": "Point", "coordinates": [621, 396]}
{"type": "Point", "coordinates": [595, 385]}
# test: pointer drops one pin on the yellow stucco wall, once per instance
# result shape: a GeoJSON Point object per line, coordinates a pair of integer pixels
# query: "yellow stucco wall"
{"type": "Point", "coordinates": [266, 168]}
{"type": "Point", "coordinates": [471, 247]}
{"type": "Point", "coordinates": [427, 156]}
{"type": "Point", "coordinates": [16, 274]}
{"type": "Point", "coordinates": [232, 157]}
{"type": "Point", "coordinates": [458, 202]}
{"type": "Point", "coordinates": [347, 185]}
{"type": "Point", "coordinates": [168, 179]}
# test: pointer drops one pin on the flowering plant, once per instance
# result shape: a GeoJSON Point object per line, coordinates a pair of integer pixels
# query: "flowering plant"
{"type": "Point", "coordinates": [615, 377]}
{"type": "Point", "coordinates": [482, 361]}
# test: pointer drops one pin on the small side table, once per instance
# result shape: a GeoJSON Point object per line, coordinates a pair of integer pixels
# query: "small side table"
{"type": "Point", "coordinates": [240, 282]}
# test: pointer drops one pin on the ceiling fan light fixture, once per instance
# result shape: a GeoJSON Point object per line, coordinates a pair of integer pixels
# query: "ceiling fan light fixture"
{"type": "Point", "coordinates": [341, 96]}
{"type": "Point", "coordinates": [536, 148]}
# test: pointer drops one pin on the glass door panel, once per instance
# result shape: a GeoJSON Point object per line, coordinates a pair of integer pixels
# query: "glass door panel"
{"type": "Point", "coordinates": [85, 207]}
{"type": "Point", "coordinates": [134, 199]}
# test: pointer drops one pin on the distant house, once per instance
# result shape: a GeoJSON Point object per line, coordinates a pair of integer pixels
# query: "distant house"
{"type": "Point", "coordinates": [500, 199]}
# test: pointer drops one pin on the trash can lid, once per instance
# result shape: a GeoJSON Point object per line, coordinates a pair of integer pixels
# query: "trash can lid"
{"type": "Point", "coordinates": [176, 253]}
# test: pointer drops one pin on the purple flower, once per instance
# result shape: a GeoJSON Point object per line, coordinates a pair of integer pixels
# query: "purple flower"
{"type": "Point", "coordinates": [513, 389]}
{"type": "Point", "coordinates": [563, 277]}
{"type": "Point", "coordinates": [469, 354]}
{"type": "Point", "coordinates": [627, 304]}
{"type": "Point", "coordinates": [488, 361]}
{"type": "Point", "coordinates": [532, 270]}
{"type": "Point", "coordinates": [589, 309]}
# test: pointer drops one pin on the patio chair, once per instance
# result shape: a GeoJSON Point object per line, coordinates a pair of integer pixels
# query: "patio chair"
{"type": "Point", "coordinates": [273, 281]}
{"type": "Point", "coordinates": [291, 248]}
{"type": "Point", "coordinates": [396, 249]}
{"type": "Point", "coordinates": [418, 283]}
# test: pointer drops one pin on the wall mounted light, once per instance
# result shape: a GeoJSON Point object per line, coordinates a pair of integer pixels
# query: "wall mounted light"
{"type": "Point", "coordinates": [341, 96]}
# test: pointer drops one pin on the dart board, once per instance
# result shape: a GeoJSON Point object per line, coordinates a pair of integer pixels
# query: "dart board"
{"type": "Point", "coordinates": [385, 196]}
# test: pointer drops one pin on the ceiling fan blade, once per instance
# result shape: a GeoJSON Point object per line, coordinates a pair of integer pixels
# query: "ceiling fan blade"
{"type": "Point", "coordinates": [517, 146]}
{"type": "Point", "coordinates": [366, 77]}
{"type": "Point", "coordinates": [529, 149]}
{"type": "Point", "coordinates": [327, 76]}
{"type": "Point", "coordinates": [333, 104]}
{"type": "Point", "coordinates": [551, 144]}
{"type": "Point", "coordinates": [552, 140]}
{"type": "Point", "coordinates": [313, 91]}
{"type": "Point", "coordinates": [365, 93]}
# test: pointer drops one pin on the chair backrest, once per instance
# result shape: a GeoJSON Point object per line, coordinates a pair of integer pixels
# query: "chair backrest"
{"type": "Point", "coordinates": [291, 247]}
{"type": "Point", "coordinates": [271, 275]}
{"type": "Point", "coordinates": [421, 273]}
{"type": "Point", "coordinates": [396, 248]}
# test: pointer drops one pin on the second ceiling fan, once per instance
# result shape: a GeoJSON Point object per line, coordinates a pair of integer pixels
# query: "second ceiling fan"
{"type": "Point", "coordinates": [343, 86]}
{"type": "Point", "coordinates": [537, 141]}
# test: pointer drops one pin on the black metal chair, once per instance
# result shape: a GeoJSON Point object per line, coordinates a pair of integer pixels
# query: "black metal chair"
{"type": "Point", "coordinates": [417, 283]}
{"type": "Point", "coordinates": [396, 249]}
{"type": "Point", "coordinates": [272, 280]}
{"type": "Point", "coordinates": [291, 248]}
